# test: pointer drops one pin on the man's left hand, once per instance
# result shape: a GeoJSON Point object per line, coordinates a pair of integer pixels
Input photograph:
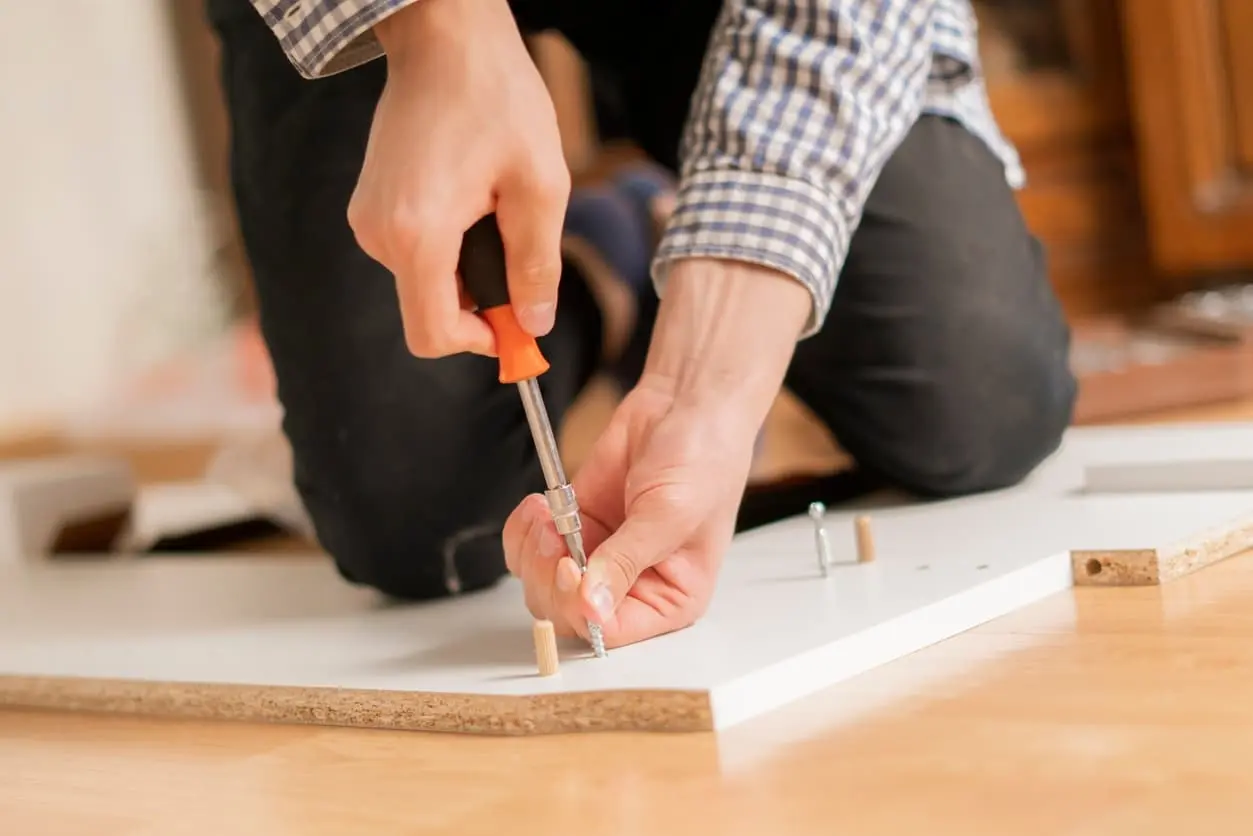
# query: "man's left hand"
{"type": "Point", "coordinates": [660, 491]}
{"type": "Point", "coordinates": [659, 496]}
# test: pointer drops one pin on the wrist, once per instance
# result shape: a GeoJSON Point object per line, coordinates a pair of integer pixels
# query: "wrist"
{"type": "Point", "coordinates": [726, 332]}
{"type": "Point", "coordinates": [426, 21]}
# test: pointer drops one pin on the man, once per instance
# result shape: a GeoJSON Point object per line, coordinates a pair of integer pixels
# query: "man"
{"type": "Point", "coordinates": [844, 224]}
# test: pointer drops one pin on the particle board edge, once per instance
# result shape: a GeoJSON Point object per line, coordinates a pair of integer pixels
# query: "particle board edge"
{"type": "Point", "coordinates": [1152, 567]}
{"type": "Point", "coordinates": [675, 711]}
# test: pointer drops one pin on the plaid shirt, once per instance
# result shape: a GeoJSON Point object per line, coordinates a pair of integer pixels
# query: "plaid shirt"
{"type": "Point", "coordinates": [799, 106]}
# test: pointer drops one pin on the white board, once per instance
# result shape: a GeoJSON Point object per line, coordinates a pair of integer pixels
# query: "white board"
{"type": "Point", "coordinates": [289, 629]}
{"type": "Point", "coordinates": [40, 498]}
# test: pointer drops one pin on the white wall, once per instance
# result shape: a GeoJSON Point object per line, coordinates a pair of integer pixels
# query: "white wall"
{"type": "Point", "coordinates": [105, 243]}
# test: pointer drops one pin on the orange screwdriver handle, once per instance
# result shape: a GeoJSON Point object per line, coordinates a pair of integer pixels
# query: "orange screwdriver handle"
{"type": "Point", "coordinates": [483, 275]}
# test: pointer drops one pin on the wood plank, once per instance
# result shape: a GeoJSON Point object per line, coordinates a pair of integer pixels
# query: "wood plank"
{"type": "Point", "coordinates": [1095, 712]}
{"type": "Point", "coordinates": [1106, 706]}
{"type": "Point", "coordinates": [285, 639]}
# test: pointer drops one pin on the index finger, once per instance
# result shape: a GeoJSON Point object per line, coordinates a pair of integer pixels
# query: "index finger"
{"type": "Point", "coordinates": [435, 322]}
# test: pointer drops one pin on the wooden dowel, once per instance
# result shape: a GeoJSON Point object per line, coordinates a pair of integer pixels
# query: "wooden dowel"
{"type": "Point", "coordinates": [545, 647]}
{"type": "Point", "coordinates": [865, 540]}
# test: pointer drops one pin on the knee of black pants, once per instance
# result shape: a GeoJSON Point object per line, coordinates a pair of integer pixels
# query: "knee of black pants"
{"type": "Point", "coordinates": [993, 396]}
{"type": "Point", "coordinates": [382, 544]}
{"type": "Point", "coordinates": [409, 468]}
{"type": "Point", "coordinates": [390, 549]}
{"type": "Point", "coordinates": [948, 403]}
{"type": "Point", "coordinates": [406, 521]}
{"type": "Point", "coordinates": [409, 493]}
{"type": "Point", "coordinates": [988, 425]}
{"type": "Point", "coordinates": [944, 362]}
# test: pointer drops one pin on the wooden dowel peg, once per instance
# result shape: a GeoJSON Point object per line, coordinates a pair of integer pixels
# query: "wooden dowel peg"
{"type": "Point", "coordinates": [865, 540]}
{"type": "Point", "coordinates": [545, 647]}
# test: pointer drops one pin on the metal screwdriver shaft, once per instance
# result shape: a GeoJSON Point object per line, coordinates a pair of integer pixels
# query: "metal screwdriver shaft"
{"type": "Point", "coordinates": [560, 494]}
{"type": "Point", "coordinates": [483, 274]}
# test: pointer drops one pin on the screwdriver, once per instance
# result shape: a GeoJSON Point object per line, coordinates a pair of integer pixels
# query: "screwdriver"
{"type": "Point", "coordinates": [484, 277]}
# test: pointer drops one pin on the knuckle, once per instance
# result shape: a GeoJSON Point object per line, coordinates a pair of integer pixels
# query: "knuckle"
{"type": "Point", "coordinates": [544, 176]}
{"type": "Point", "coordinates": [411, 226]}
{"type": "Point", "coordinates": [359, 205]}
{"type": "Point", "coordinates": [361, 221]}
{"type": "Point", "coordinates": [404, 228]}
{"type": "Point", "coordinates": [435, 331]}
{"type": "Point", "coordinates": [418, 345]}
{"type": "Point", "coordinates": [552, 183]}
{"type": "Point", "coordinates": [432, 325]}
{"type": "Point", "coordinates": [627, 566]}
{"type": "Point", "coordinates": [422, 340]}
{"type": "Point", "coordinates": [357, 215]}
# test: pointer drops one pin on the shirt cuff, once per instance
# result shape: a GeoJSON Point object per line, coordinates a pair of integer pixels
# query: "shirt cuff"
{"type": "Point", "coordinates": [779, 222]}
{"type": "Point", "coordinates": [325, 37]}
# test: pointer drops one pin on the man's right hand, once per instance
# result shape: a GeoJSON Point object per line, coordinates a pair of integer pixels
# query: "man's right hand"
{"type": "Point", "coordinates": [464, 127]}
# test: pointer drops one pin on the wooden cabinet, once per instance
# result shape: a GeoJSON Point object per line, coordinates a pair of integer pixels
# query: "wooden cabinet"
{"type": "Point", "coordinates": [1190, 82]}
{"type": "Point", "coordinates": [1135, 121]}
{"type": "Point", "coordinates": [1056, 81]}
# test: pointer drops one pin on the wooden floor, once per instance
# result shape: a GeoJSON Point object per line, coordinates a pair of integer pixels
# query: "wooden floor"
{"type": "Point", "coordinates": [1100, 711]}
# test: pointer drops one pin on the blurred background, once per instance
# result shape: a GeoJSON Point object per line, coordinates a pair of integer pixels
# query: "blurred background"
{"type": "Point", "coordinates": [126, 318]}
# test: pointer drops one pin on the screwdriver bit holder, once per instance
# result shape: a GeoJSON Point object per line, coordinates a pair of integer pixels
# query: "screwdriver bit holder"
{"type": "Point", "coordinates": [484, 276]}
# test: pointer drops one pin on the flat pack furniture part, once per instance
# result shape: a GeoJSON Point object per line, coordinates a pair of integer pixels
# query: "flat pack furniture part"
{"type": "Point", "coordinates": [169, 510]}
{"type": "Point", "coordinates": [1171, 472]}
{"type": "Point", "coordinates": [62, 502]}
{"type": "Point", "coordinates": [94, 507]}
{"type": "Point", "coordinates": [284, 639]}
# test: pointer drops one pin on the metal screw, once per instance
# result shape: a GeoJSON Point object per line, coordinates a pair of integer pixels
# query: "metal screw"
{"type": "Point", "coordinates": [816, 513]}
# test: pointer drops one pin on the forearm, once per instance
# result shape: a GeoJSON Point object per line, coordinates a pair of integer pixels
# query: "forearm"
{"type": "Point", "coordinates": [799, 106]}
{"type": "Point", "coordinates": [324, 37]}
{"type": "Point", "coordinates": [724, 336]}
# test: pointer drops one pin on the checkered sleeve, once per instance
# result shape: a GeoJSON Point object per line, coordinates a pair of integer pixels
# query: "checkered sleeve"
{"type": "Point", "coordinates": [324, 37]}
{"type": "Point", "coordinates": [798, 107]}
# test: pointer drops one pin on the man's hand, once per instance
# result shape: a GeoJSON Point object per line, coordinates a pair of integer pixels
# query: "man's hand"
{"type": "Point", "coordinates": [659, 495]}
{"type": "Point", "coordinates": [662, 487]}
{"type": "Point", "coordinates": [464, 127]}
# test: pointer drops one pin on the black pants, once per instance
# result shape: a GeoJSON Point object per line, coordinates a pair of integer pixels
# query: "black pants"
{"type": "Point", "coordinates": [942, 366]}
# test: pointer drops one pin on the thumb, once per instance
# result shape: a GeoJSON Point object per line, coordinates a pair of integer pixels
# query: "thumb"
{"type": "Point", "coordinates": [653, 530]}
{"type": "Point", "coordinates": [531, 217]}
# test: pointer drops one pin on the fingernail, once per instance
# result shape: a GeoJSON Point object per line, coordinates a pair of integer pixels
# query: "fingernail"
{"type": "Point", "coordinates": [550, 544]}
{"type": "Point", "coordinates": [538, 319]}
{"type": "Point", "coordinates": [601, 600]}
{"type": "Point", "coordinates": [596, 574]}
